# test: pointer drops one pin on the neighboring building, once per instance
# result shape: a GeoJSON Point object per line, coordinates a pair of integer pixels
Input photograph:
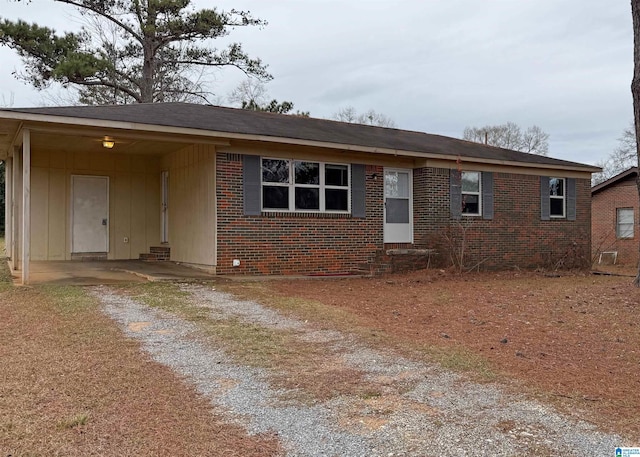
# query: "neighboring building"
{"type": "Point", "coordinates": [237, 191]}
{"type": "Point", "coordinates": [614, 219]}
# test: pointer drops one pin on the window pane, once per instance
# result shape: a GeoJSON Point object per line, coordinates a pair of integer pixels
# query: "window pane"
{"type": "Point", "coordinates": [556, 207]}
{"type": "Point", "coordinates": [307, 172]}
{"type": "Point", "coordinates": [625, 216]}
{"type": "Point", "coordinates": [397, 211]}
{"type": "Point", "coordinates": [336, 175]}
{"type": "Point", "coordinates": [307, 198]}
{"type": "Point", "coordinates": [396, 185]}
{"type": "Point", "coordinates": [274, 170]}
{"type": "Point", "coordinates": [470, 181]}
{"type": "Point", "coordinates": [336, 199]}
{"type": "Point", "coordinates": [625, 231]}
{"type": "Point", "coordinates": [625, 223]}
{"type": "Point", "coordinates": [275, 197]}
{"type": "Point", "coordinates": [470, 204]}
{"type": "Point", "coordinates": [556, 187]}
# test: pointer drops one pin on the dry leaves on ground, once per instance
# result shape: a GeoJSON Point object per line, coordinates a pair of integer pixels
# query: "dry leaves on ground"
{"type": "Point", "coordinates": [73, 385]}
{"type": "Point", "coordinates": [573, 340]}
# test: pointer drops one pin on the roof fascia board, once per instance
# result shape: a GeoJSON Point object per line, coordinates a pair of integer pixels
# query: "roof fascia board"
{"type": "Point", "coordinates": [506, 168]}
{"type": "Point", "coordinates": [506, 165]}
{"type": "Point", "coordinates": [121, 125]}
{"type": "Point", "coordinates": [319, 154]}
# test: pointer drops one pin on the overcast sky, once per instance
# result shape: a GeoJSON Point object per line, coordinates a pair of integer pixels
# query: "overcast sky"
{"type": "Point", "coordinates": [435, 66]}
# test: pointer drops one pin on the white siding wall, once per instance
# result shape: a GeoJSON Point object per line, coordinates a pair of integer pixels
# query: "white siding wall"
{"type": "Point", "coordinates": [134, 196]}
{"type": "Point", "coordinates": [192, 204]}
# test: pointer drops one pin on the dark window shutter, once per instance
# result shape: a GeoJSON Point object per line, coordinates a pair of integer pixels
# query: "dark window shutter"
{"type": "Point", "coordinates": [571, 199]}
{"type": "Point", "coordinates": [358, 191]}
{"type": "Point", "coordinates": [251, 182]}
{"type": "Point", "coordinates": [545, 204]}
{"type": "Point", "coordinates": [455, 193]}
{"type": "Point", "coordinates": [487, 195]}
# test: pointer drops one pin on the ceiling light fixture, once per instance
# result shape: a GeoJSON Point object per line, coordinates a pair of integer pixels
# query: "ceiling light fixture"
{"type": "Point", "coordinates": [108, 143]}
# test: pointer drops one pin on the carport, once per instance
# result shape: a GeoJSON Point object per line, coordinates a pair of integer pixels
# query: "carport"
{"type": "Point", "coordinates": [83, 189]}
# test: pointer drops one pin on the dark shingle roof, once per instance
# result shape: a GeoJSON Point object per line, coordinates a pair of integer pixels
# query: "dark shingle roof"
{"type": "Point", "coordinates": [626, 175]}
{"type": "Point", "coordinates": [238, 121]}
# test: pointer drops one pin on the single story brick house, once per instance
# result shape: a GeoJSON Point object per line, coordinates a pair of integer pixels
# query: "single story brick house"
{"type": "Point", "coordinates": [243, 192]}
{"type": "Point", "coordinates": [614, 219]}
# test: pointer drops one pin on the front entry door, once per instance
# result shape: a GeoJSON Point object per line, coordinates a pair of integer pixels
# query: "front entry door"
{"type": "Point", "coordinates": [90, 214]}
{"type": "Point", "coordinates": [398, 212]}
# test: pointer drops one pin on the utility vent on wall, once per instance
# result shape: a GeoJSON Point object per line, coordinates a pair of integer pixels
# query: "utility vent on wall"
{"type": "Point", "coordinates": [233, 157]}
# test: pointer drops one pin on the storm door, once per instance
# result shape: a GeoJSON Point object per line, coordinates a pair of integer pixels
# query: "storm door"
{"type": "Point", "coordinates": [398, 212]}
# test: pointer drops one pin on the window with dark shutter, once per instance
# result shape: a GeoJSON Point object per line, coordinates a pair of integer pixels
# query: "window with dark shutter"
{"type": "Point", "coordinates": [471, 194]}
{"type": "Point", "coordinates": [273, 184]}
{"type": "Point", "coordinates": [557, 198]}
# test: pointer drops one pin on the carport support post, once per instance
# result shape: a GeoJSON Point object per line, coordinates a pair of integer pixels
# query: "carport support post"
{"type": "Point", "coordinates": [15, 192]}
{"type": "Point", "coordinates": [26, 203]}
{"type": "Point", "coordinates": [8, 207]}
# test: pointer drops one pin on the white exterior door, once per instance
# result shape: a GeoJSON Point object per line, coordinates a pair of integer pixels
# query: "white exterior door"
{"type": "Point", "coordinates": [90, 214]}
{"type": "Point", "coordinates": [398, 206]}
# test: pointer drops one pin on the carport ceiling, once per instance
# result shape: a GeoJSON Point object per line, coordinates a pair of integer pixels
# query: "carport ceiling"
{"type": "Point", "coordinates": [80, 143]}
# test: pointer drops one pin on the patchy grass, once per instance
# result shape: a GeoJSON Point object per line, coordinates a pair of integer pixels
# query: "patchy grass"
{"type": "Point", "coordinates": [76, 421]}
{"type": "Point", "coordinates": [313, 372]}
{"type": "Point", "coordinates": [73, 385]}
{"type": "Point", "coordinates": [455, 357]}
{"type": "Point", "coordinates": [462, 360]}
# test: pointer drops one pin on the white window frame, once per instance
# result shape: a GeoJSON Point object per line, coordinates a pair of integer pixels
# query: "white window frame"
{"type": "Point", "coordinates": [292, 185]}
{"type": "Point", "coordinates": [478, 193]}
{"type": "Point", "coordinates": [619, 233]}
{"type": "Point", "coordinates": [563, 197]}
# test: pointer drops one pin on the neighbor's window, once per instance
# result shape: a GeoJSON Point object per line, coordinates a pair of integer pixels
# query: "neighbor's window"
{"type": "Point", "coordinates": [625, 224]}
{"type": "Point", "coordinates": [471, 203]}
{"type": "Point", "coordinates": [556, 197]}
{"type": "Point", "coordinates": [295, 185]}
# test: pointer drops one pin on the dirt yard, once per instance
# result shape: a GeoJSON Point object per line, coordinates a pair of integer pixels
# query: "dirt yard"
{"type": "Point", "coordinates": [572, 340]}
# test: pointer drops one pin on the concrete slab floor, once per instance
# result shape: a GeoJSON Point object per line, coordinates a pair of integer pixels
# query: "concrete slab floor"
{"type": "Point", "coordinates": [109, 272]}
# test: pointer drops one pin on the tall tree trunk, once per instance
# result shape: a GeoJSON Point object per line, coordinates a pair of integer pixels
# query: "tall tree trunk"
{"type": "Point", "coordinates": [635, 91]}
{"type": "Point", "coordinates": [149, 53]}
{"type": "Point", "coordinates": [146, 84]}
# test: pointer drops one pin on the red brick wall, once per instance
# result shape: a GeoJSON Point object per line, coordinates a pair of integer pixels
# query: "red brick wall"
{"type": "Point", "coordinates": [603, 221]}
{"type": "Point", "coordinates": [516, 237]}
{"type": "Point", "coordinates": [285, 243]}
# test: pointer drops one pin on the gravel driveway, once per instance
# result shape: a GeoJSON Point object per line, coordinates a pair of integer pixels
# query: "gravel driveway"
{"type": "Point", "coordinates": [423, 410]}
